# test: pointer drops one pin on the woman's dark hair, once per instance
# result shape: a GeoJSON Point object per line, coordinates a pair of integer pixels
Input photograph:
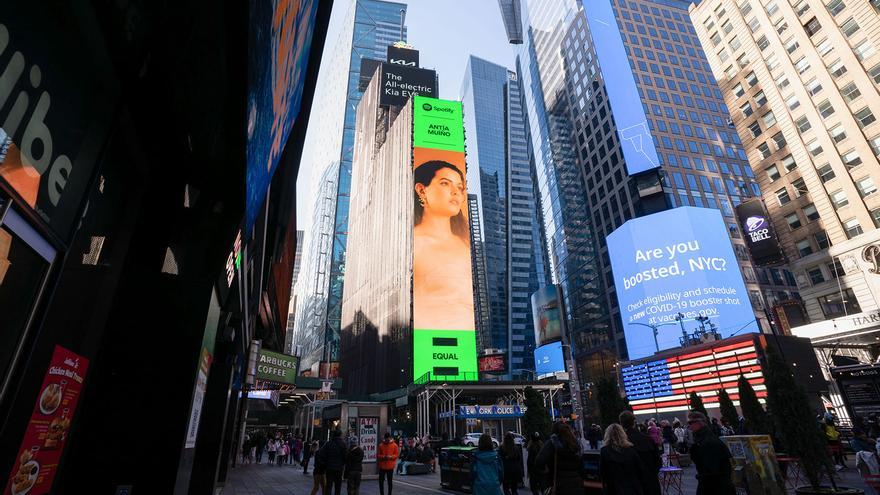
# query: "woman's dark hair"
{"type": "Point", "coordinates": [508, 446]}
{"type": "Point", "coordinates": [566, 436]}
{"type": "Point", "coordinates": [424, 174]}
{"type": "Point", "coordinates": [485, 442]}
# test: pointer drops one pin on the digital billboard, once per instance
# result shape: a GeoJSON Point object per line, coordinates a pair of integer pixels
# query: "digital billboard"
{"type": "Point", "coordinates": [547, 315]}
{"type": "Point", "coordinates": [672, 267]}
{"type": "Point", "coordinates": [636, 141]}
{"type": "Point", "coordinates": [402, 55]}
{"type": "Point", "coordinates": [759, 233]}
{"type": "Point", "coordinates": [492, 363]}
{"type": "Point", "coordinates": [400, 82]}
{"type": "Point", "coordinates": [444, 336]}
{"type": "Point", "coordinates": [548, 359]}
{"type": "Point", "coordinates": [280, 40]}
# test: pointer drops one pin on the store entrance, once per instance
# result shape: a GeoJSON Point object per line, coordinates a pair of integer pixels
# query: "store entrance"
{"type": "Point", "coordinates": [25, 259]}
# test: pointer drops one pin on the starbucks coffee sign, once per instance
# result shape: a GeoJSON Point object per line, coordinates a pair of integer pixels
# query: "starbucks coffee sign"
{"type": "Point", "coordinates": [277, 367]}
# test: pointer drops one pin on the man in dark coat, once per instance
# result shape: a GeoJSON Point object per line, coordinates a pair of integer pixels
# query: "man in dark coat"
{"type": "Point", "coordinates": [649, 453]}
{"type": "Point", "coordinates": [711, 457]}
{"type": "Point", "coordinates": [333, 455]}
{"type": "Point", "coordinates": [354, 466]}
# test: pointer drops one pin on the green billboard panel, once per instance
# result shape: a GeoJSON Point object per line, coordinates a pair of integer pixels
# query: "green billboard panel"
{"type": "Point", "coordinates": [277, 367]}
{"type": "Point", "coordinates": [437, 124]}
{"type": "Point", "coordinates": [446, 354]}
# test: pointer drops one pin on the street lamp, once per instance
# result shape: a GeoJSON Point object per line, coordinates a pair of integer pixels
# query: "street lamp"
{"type": "Point", "coordinates": [654, 330]}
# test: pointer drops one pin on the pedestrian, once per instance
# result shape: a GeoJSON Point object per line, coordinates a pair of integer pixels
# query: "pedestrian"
{"type": "Point", "coordinates": [593, 436]}
{"type": "Point", "coordinates": [297, 450]}
{"type": "Point", "coordinates": [246, 449]}
{"type": "Point", "coordinates": [354, 466]}
{"type": "Point", "coordinates": [832, 436]}
{"type": "Point", "coordinates": [512, 462]}
{"type": "Point", "coordinates": [430, 458]}
{"type": "Point", "coordinates": [282, 453]}
{"type": "Point", "coordinates": [711, 457]}
{"type": "Point", "coordinates": [726, 429]}
{"type": "Point", "coordinates": [387, 454]}
{"type": "Point", "coordinates": [536, 475]}
{"type": "Point", "coordinates": [668, 437]}
{"type": "Point", "coordinates": [272, 448]}
{"type": "Point", "coordinates": [307, 454]}
{"type": "Point", "coordinates": [333, 453]}
{"type": "Point", "coordinates": [561, 456]}
{"type": "Point", "coordinates": [648, 453]}
{"type": "Point", "coordinates": [716, 428]}
{"type": "Point", "coordinates": [260, 447]}
{"type": "Point", "coordinates": [654, 433]}
{"type": "Point", "coordinates": [681, 445]}
{"type": "Point", "coordinates": [619, 464]}
{"type": "Point", "coordinates": [487, 474]}
{"type": "Point", "coordinates": [319, 472]}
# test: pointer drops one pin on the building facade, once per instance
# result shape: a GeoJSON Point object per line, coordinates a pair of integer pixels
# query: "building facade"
{"type": "Point", "coordinates": [369, 27]}
{"type": "Point", "coordinates": [802, 82]}
{"type": "Point", "coordinates": [504, 229]}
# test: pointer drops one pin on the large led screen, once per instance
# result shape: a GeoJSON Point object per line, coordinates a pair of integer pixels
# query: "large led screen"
{"type": "Point", "coordinates": [548, 359]}
{"type": "Point", "coordinates": [677, 262]}
{"type": "Point", "coordinates": [547, 315]}
{"type": "Point", "coordinates": [278, 54]}
{"type": "Point", "coordinates": [623, 95]}
{"type": "Point", "coordinates": [444, 337]}
{"type": "Point", "coordinates": [759, 233]}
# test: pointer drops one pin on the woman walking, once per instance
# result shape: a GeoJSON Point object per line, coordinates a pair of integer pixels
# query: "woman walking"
{"type": "Point", "coordinates": [487, 468]}
{"type": "Point", "coordinates": [561, 456]}
{"type": "Point", "coordinates": [619, 464]}
{"type": "Point", "coordinates": [536, 476]}
{"type": "Point", "coordinates": [512, 462]}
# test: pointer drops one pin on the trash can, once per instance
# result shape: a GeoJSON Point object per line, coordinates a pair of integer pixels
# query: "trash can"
{"type": "Point", "coordinates": [456, 464]}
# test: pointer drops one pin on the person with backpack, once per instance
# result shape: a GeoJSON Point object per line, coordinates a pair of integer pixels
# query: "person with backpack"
{"type": "Point", "coordinates": [354, 466]}
{"type": "Point", "coordinates": [561, 456]}
{"type": "Point", "coordinates": [487, 470]}
{"type": "Point", "coordinates": [512, 462]}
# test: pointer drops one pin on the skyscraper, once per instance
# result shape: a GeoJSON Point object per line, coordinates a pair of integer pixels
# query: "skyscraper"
{"type": "Point", "coordinates": [505, 267]}
{"type": "Point", "coordinates": [369, 27]}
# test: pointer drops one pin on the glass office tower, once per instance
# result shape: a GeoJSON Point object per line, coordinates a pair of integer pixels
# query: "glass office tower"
{"type": "Point", "coordinates": [507, 265]}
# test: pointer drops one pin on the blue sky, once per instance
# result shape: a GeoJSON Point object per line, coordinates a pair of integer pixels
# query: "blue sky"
{"type": "Point", "coordinates": [446, 33]}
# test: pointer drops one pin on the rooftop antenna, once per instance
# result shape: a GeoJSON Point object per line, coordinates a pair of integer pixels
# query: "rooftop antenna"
{"type": "Point", "coordinates": [402, 18]}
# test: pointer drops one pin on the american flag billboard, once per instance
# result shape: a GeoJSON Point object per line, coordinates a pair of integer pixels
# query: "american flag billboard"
{"type": "Point", "coordinates": [663, 385]}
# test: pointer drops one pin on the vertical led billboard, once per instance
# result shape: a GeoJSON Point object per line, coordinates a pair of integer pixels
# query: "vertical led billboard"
{"type": "Point", "coordinates": [623, 95]}
{"type": "Point", "coordinates": [444, 335]}
{"type": "Point", "coordinates": [671, 268]}
{"type": "Point", "coordinates": [759, 233]}
{"type": "Point", "coordinates": [547, 315]}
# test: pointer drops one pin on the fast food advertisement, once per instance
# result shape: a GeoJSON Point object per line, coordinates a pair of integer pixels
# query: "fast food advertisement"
{"type": "Point", "coordinates": [444, 336]}
{"type": "Point", "coordinates": [43, 444]}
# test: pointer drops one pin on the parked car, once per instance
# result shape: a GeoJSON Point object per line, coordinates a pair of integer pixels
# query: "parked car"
{"type": "Point", "coordinates": [518, 439]}
{"type": "Point", "coordinates": [472, 439]}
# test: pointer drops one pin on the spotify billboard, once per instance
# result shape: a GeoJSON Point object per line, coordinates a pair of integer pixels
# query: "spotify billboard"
{"type": "Point", "coordinates": [444, 336]}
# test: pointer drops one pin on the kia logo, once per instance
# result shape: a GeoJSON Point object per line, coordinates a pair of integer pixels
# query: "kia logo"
{"type": "Point", "coordinates": [427, 107]}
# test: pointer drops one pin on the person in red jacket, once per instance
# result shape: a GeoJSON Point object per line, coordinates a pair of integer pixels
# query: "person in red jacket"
{"type": "Point", "coordinates": [387, 456]}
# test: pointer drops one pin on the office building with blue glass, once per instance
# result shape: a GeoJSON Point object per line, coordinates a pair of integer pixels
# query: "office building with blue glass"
{"type": "Point", "coordinates": [508, 260]}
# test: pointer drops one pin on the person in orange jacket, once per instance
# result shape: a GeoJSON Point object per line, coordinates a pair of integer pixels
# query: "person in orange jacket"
{"type": "Point", "coordinates": [387, 456]}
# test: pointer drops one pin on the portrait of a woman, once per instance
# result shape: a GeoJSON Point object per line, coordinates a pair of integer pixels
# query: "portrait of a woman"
{"type": "Point", "coordinates": [443, 296]}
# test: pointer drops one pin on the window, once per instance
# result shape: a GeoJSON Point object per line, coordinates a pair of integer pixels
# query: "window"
{"type": "Point", "coordinates": [772, 173]}
{"type": "Point", "coordinates": [835, 6]}
{"type": "Point", "coordinates": [760, 98]}
{"type": "Point", "coordinates": [802, 124]}
{"type": "Point", "coordinates": [772, 8]}
{"type": "Point", "coordinates": [850, 92]}
{"type": "Point", "coordinates": [825, 173]}
{"type": "Point", "coordinates": [849, 27]}
{"type": "Point", "coordinates": [837, 133]}
{"type": "Point", "coordinates": [779, 139]}
{"type": "Point", "coordinates": [754, 24]}
{"type": "Point", "coordinates": [764, 150]}
{"type": "Point", "coordinates": [742, 61]}
{"type": "Point", "coordinates": [804, 247]}
{"type": "Point", "coordinates": [851, 159]}
{"type": "Point", "coordinates": [755, 129]}
{"type": "Point", "coordinates": [802, 7]}
{"type": "Point", "coordinates": [824, 47]}
{"type": "Point", "coordinates": [812, 26]}
{"type": "Point", "coordinates": [751, 79]}
{"type": "Point", "coordinates": [814, 147]}
{"type": "Point", "coordinates": [723, 55]}
{"type": "Point", "coordinates": [866, 186]}
{"type": "Point", "coordinates": [865, 117]}
{"type": "Point", "coordinates": [852, 228]}
{"type": "Point", "coordinates": [769, 119]}
{"type": "Point", "coordinates": [782, 81]}
{"type": "Point", "coordinates": [782, 196]}
{"type": "Point", "coordinates": [813, 86]}
{"type": "Point", "coordinates": [788, 163]}
{"type": "Point", "coordinates": [839, 303]}
{"type": "Point", "coordinates": [802, 65]}
{"type": "Point", "coordinates": [715, 38]}
{"type": "Point", "coordinates": [800, 187]}
{"type": "Point", "coordinates": [738, 90]}
{"type": "Point", "coordinates": [746, 109]}
{"type": "Point", "coordinates": [865, 49]}
{"type": "Point", "coordinates": [792, 102]}
{"type": "Point", "coordinates": [839, 198]}
{"type": "Point", "coordinates": [810, 212]}
{"type": "Point", "coordinates": [815, 275]}
{"type": "Point", "coordinates": [826, 109]}
{"type": "Point", "coordinates": [835, 269]}
{"type": "Point", "coordinates": [745, 8]}
{"type": "Point", "coordinates": [727, 27]}
{"type": "Point", "coordinates": [794, 222]}
{"type": "Point", "coordinates": [837, 68]}
{"type": "Point", "coordinates": [875, 214]}
{"type": "Point", "coordinates": [763, 43]}
{"type": "Point", "coordinates": [781, 26]}
{"type": "Point", "coordinates": [821, 240]}
{"type": "Point", "coordinates": [791, 45]}
{"type": "Point", "coordinates": [875, 73]}
{"type": "Point", "coordinates": [875, 144]}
